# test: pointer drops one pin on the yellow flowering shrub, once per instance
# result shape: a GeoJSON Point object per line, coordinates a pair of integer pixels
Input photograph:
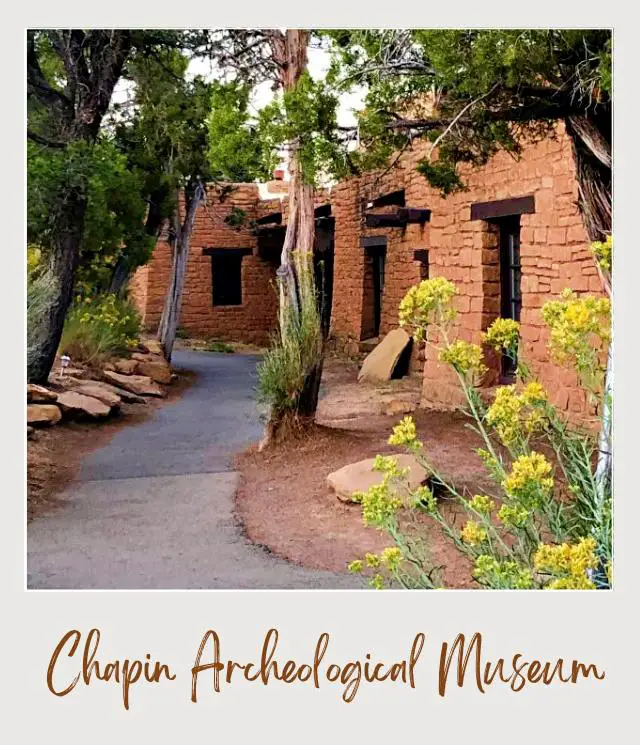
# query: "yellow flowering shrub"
{"type": "Point", "coordinates": [473, 534]}
{"type": "Point", "coordinates": [580, 328]}
{"type": "Point", "coordinates": [527, 531]}
{"type": "Point", "coordinates": [100, 327]}
{"type": "Point", "coordinates": [428, 302]}
{"type": "Point", "coordinates": [464, 357]}
{"type": "Point", "coordinates": [530, 481]}
{"type": "Point", "coordinates": [603, 253]}
{"type": "Point", "coordinates": [568, 564]}
{"type": "Point", "coordinates": [503, 335]}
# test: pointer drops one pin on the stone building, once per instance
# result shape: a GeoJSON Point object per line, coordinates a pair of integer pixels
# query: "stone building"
{"type": "Point", "coordinates": [512, 240]}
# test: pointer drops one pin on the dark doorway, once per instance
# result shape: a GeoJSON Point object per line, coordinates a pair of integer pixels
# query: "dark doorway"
{"type": "Point", "coordinates": [323, 267]}
{"type": "Point", "coordinates": [374, 269]}
{"type": "Point", "coordinates": [510, 279]}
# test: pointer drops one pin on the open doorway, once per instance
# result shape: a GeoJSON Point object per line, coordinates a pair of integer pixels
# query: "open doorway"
{"type": "Point", "coordinates": [374, 270]}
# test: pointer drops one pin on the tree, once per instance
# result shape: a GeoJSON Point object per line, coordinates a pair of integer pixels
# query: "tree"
{"type": "Point", "coordinates": [472, 92]}
{"type": "Point", "coordinates": [71, 75]}
{"type": "Point", "coordinates": [302, 120]}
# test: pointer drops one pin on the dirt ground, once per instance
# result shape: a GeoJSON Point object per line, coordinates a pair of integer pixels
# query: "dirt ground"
{"type": "Point", "coordinates": [286, 506]}
{"type": "Point", "coordinates": [55, 453]}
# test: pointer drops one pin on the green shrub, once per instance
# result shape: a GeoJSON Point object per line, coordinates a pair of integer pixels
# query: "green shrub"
{"type": "Point", "coordinates": [41, 293]}
{"type": "Point", "coordinates": [215, 345]}
{"type": "Point", "coordinates": [99, 328]}
{"type": "Point", "coordinates": [291, 358]}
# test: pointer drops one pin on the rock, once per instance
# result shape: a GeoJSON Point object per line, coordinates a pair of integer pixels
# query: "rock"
{"type": "Point", "coordinates": [397, 407]}
{"type": "Point", "coordinates": [378, 365]}
{"type": "Point", "coordinates": [140, 384]}
{"type": "Point", "coordinates": [109, 366]}
{"type": "Point", "coordinates": [126, 367]}
{"type": "Point", "coordinates": [160, 372]}
{"type": "Point", "coordinates": [30, 432]}
{"type": "Point", "coordinates": [98, 390]}
{"type": "Point", "coordinates": [153, 346]}
{"type": "Point", "coordinates": [78, 405]}
{"type": "Point", "coordinates": [358, 477]}
{"type": "Point", "coordinates": [127, 396]}
{"type": "Point", "coordinates": [43, 414]}
{"type": "Point", "coordinates": [39, 394]}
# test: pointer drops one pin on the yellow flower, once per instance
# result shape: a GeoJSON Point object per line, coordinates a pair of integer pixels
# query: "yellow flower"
{"type": "Point", "coordinates": [355, 566]}
{"type": "Point", "coordinates": [423, 498]}
{"type": "Point", "coordinates": [568, 563]}
{"type": "Point", "coordinates": [534, 393]}
{"type": "Point", "coordinates": [530, 481]}
{"type": "Point", "coordinates": [464, 357]}
{"type": "Point", "coordinates": [502, 575]}
{"type": "Point", "coordinates": [404, 433]}
{"type": "Point", "coordinates": [379, 504]}
{"type": "Point", "coordinates": [426, 303]}
{"type": "Point", "coordinates": [391, 557]}
{"type": "Point", "coordinates": [482, 503]}
{"type": "Point", "coordinates": [503, 333]}
{"type": "Point", "coordinates": [377, 582]}
{"type": "Point", "coordinates": [513, 517]}
{"type": "Point", "coordinates": [389, 465]}
{"type": "Point", "coordinates": [603, 252]}
{"type": "Point", "coordinates": [473, 534]}
{"type": "Point", "coordinates": [372, 560]}
{"type": "Point", "coordinates": [504, 414]}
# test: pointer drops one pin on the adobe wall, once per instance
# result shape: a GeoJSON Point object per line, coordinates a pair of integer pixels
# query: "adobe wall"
{"type": "Point", "coordinates": [255, 319]}
{"type": "Point", "coordinates": [554, 255]}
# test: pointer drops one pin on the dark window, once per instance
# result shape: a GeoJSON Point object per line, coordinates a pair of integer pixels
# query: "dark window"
{"type": "Point", "coordinates": [510, 275]}
{"type": "Point", "coordinates": [226, 278]}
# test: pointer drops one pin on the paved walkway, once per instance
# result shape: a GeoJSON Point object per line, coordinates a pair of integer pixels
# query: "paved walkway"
{"type": "Point", "coordinates": [154, 508]}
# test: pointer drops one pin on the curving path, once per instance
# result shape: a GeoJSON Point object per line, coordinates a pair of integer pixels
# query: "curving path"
{"type": "Point", "coordinates": [154, 508]}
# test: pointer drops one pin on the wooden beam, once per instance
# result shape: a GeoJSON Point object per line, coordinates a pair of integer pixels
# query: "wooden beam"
{"type": "Point", "coordinates": [397, 218]}
{"type": "Point", "coordinates": [503, 208]}
{"type": "Point", "coordinates": [273, 218]}
{"type": "Point", "coordinates": [373, 241]}
{"type": "Point", "coordinates": [227, 251]}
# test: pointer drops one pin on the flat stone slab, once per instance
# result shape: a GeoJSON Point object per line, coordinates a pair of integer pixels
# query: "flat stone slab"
{"type": "Point", "coordinates": [159, 372]}
{"type": "Point", "coordinates": [138, 384]}
{"type": "Point", "coordinates": [43, 414]}
{"type": "Point", "coordinates": [79, 405]}
{"type": "Point", "coordinates": [101, 391]}
{"type": "Point", "coordinates": [378, 365]}
{"type": "Point", "coordinates": [40, 394]}
{"type": "Point", "coordinates": [360, 476]}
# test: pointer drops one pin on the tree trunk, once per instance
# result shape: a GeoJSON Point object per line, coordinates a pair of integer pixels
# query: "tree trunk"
{"type": "Point", "coordinates": [173, 300]}
{"type": "Point", "coordinates": [296, 276]}
{"type": "Point", "coordinates": [65, 258]}
{"type": "Point", "coordinates": [591, 139]}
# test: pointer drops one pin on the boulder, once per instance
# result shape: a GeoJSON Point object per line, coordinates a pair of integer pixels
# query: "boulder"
{"type": "Point", "coordinates": [159, 372]}
{"type": "Point", "coordinates": [378, 365]}
{"type": "Point", "coordinates": [40, 394]}
{"type": "Point", "coordinates": [359, 476]}
{"type": "Point", "coordinates": [98, 390]}
{"type": "Point", "coordinates": [126, 367]}
{"type": "Point", "coordinates": [139, 384]}
{"type": "Point", "coordinates": [43, 414]}
{"type": "Point", "coordinates": [78, 405]}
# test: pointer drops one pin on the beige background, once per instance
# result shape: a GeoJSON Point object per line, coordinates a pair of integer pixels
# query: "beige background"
{"type": "Point", "coordinates": [594, 627]}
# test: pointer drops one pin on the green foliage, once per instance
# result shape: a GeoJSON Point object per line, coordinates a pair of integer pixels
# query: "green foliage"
{"type": "Point", "coordinates": [290, 359]}
{"type": "Point", "coordinates": [215, 345]}
{"type": "Point", "coordinates": [236, 149]}
{"type": "Point", "coordinates": [474, 91]}
{"type": "Point", "coordinates": [307, 117]}
{"type": "Point", "coordinates": [99, 328]}
{"type": "Point", "coordinates": [114, 218]}
{"type": "Point", "coordinates": [42, 290]}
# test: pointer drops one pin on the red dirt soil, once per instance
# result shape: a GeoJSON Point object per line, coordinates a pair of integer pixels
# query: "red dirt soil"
{"type": "Point", "coordinates": [285, 504]}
